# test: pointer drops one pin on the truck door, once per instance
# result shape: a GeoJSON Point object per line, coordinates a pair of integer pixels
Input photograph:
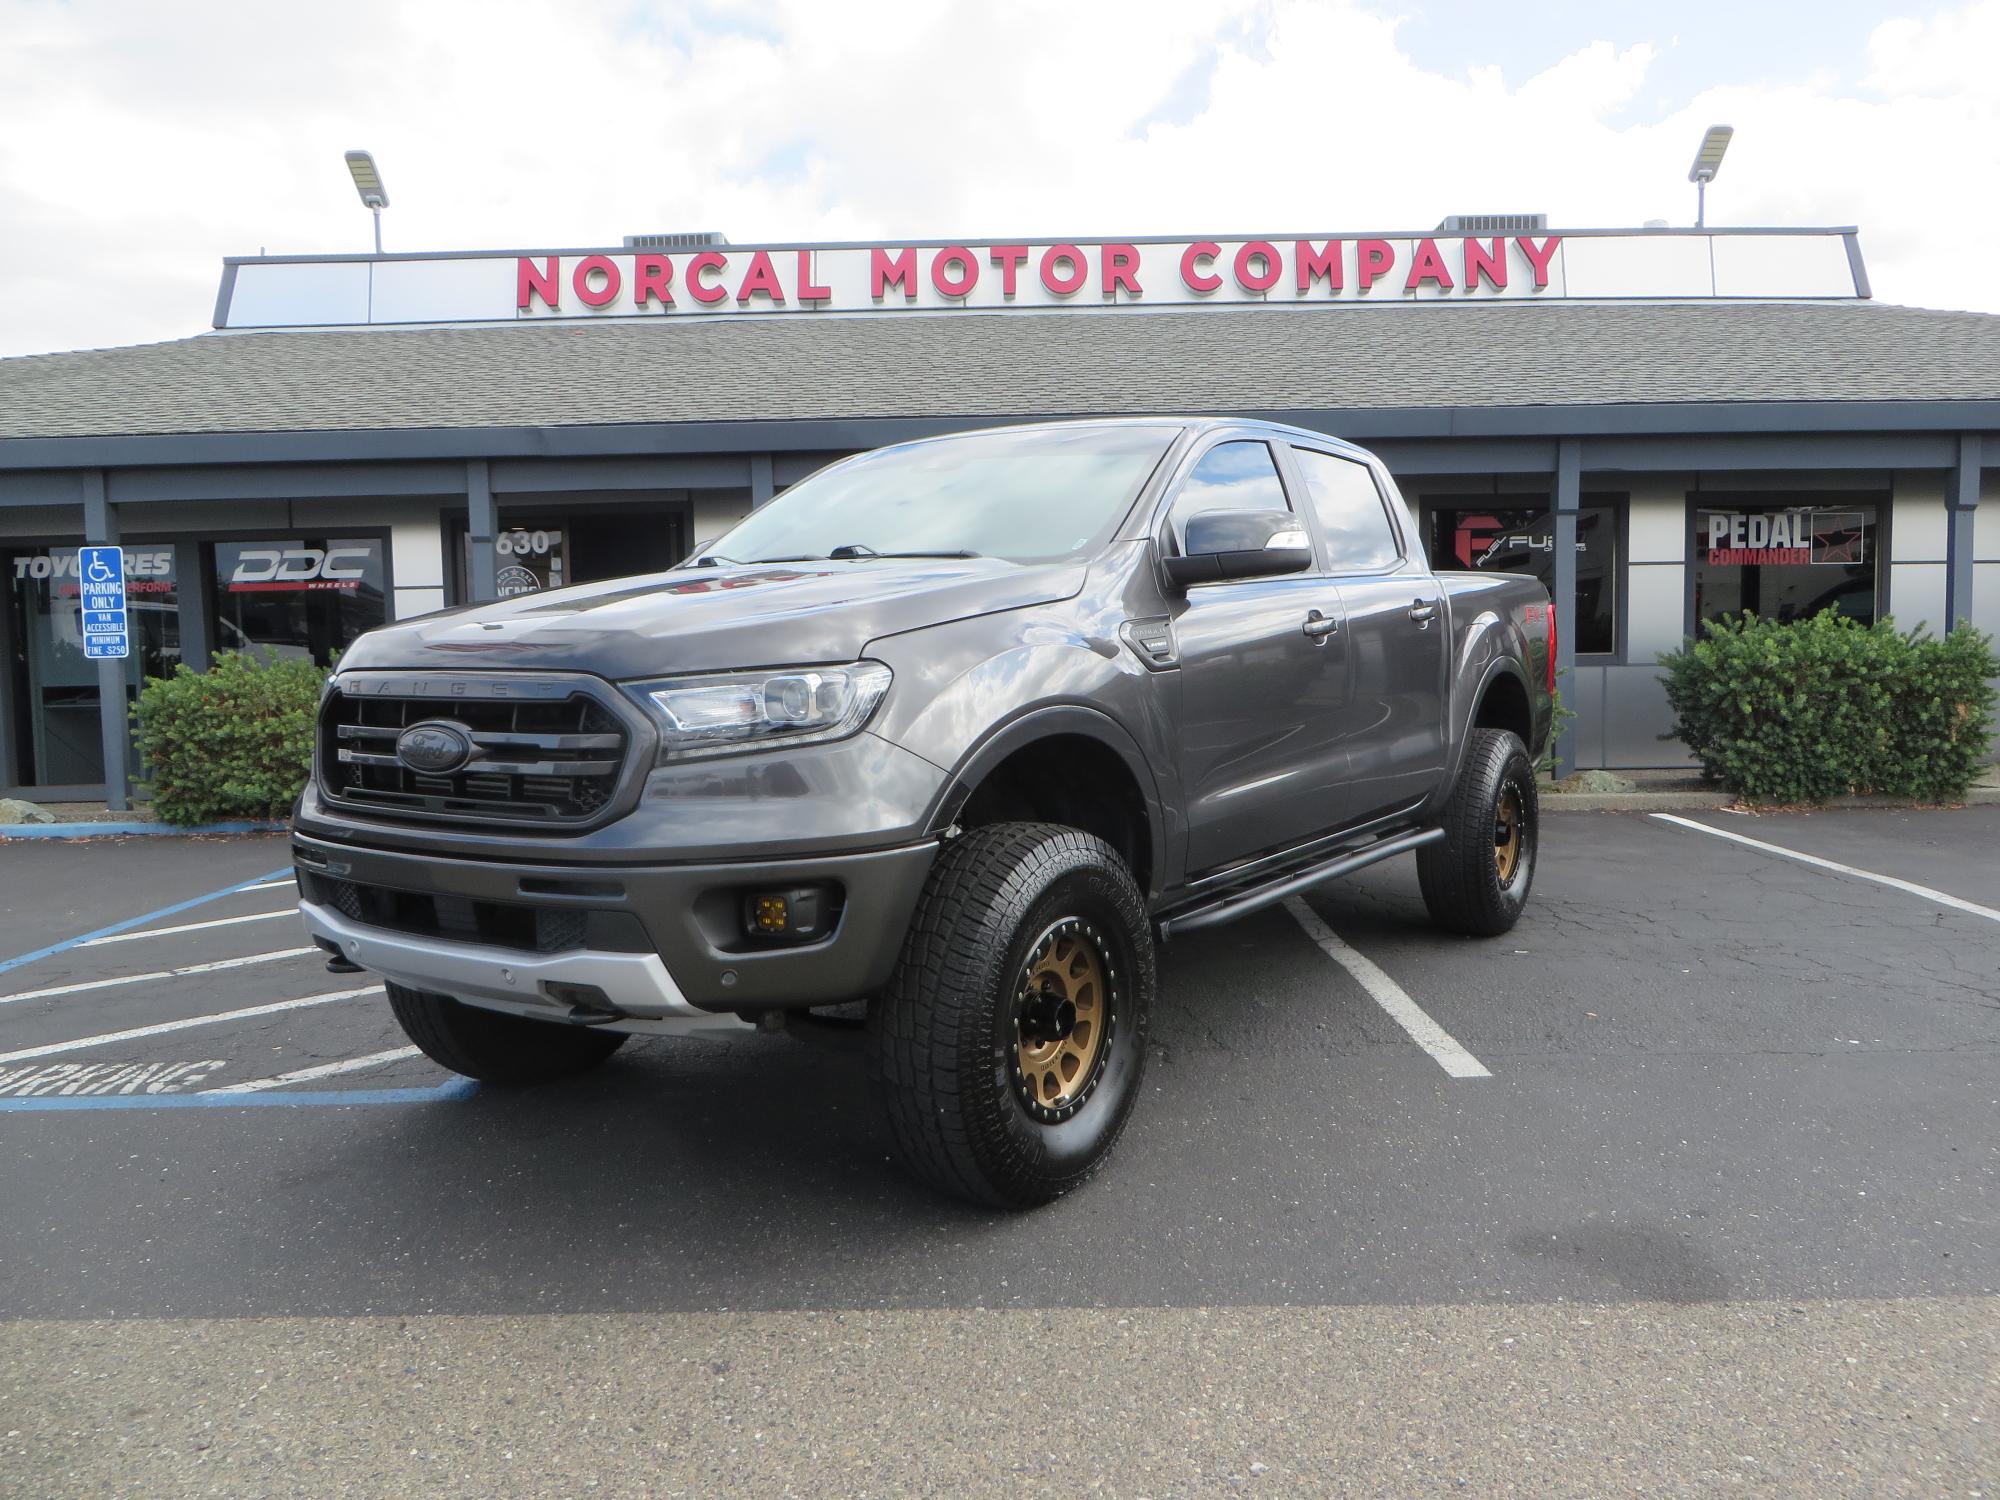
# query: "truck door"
{"type": "Point", "coordinates": [1263, 683]}
{"type": "Point", "coordinates": [1394, 621]}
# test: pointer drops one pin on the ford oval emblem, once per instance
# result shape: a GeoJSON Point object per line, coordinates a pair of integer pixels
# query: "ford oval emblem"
{"type": "Point", "coordinates": [434, 748]}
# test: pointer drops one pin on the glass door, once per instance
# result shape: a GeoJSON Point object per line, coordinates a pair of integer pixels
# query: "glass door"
{"type": "Point", "coordinates": [55, 685]}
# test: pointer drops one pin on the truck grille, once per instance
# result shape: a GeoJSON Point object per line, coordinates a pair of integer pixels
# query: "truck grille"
{"type": "Point", "coordinates": [552, 756]}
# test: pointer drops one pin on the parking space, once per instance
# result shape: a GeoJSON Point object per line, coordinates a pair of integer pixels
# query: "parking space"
{"type": "Point", "coordinates": [1703, 1075]}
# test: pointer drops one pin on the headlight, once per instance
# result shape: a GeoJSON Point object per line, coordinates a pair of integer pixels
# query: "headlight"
{"type": "Point", "coordinates": [742, 710]}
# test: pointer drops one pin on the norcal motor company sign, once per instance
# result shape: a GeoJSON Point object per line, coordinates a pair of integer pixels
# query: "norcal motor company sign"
{"type": "Point", "coordinates": [1044, 275]}
{"type": "Point", "coordinates": [1047, 275]}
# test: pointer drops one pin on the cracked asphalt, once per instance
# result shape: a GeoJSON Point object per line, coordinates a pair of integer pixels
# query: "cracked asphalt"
{"type": "Point", "coordinates": [1722, 1219]}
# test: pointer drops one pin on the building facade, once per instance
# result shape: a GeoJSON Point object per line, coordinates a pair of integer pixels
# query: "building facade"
{"type": "Point", "coordinates": [1664, 426]}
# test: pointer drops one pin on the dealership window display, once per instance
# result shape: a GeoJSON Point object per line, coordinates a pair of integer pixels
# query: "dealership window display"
{"type": "Point", "coordinates": [1481, 535]}
{"type": "Point", "coordinates": [1786, 561]}
{"type": "Point", "coordinates": [305, 597]}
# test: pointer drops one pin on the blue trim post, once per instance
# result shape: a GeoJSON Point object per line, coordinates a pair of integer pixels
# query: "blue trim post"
{"type": "Point", "coordinates": [762, 485]}
{"type": "Point", "coordinates": [1961, 499]}
{"type": "Point", "coordinates": [482, 569]}
{"type": "Point", "coordinates": [1568, 502]}
{"type": "Point", "coordinates": [100, 528]}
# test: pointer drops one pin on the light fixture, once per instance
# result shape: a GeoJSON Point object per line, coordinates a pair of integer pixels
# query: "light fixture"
{"type": "Point", "coordinates": [1707, 162]}
{"type": "Point", "coordinates": [368, 183]}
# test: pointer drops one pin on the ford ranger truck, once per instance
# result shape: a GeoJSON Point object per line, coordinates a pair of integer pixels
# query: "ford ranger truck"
{"type": "Point", "coordinates": [961, 729]}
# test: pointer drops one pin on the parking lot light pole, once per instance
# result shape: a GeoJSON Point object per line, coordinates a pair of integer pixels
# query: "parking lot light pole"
{"type": "Point", "coordinates": [368, 183]}
{"type": "Point", "coordinates": [1707, 162]}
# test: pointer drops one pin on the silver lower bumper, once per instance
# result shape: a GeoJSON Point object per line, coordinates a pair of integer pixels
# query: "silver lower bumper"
{"type": "Point", "coordinates": [636, 983]}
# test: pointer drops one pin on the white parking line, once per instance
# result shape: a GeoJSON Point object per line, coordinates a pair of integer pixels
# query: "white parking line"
{"type": "Point", "coordinates": [269, 885]}
{"type": "Point", "coordinates": [1404, 1011]}
{"type": "Point", "coordinates": [1941, 897]}
{"type": "Point", "coordinates": [106, 1038]}
{"type": "Point", "coordinates": [324, 1070]}
{"type": "Point", "coordinates": [153, 932]}
{"type": "Point", "coordinates": [105, 984]}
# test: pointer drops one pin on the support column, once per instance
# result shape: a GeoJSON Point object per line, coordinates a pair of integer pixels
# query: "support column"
{"type": "Point", "coordinates": [482, 578]}
{"type": "Point", "coordinates": [100, 529]}
{"type": "Point", "coordinates": [762, 486]}
{"type": "Point", "coordinates": [1961, 499]}
{"type": "Point", "coordinates": [1568, 501]}
{"type": "Point", "coordinates": [191, 600]}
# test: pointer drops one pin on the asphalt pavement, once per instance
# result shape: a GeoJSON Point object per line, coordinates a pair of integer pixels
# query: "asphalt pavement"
{"type": "Point", "coordinates": [1686, 1186]}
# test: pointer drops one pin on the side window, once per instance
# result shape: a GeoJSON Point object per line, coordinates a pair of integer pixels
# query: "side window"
{"type": "Point", "coordinates": [1230, 476]}
{"type": "Point", "coordinates": [1359, 536]}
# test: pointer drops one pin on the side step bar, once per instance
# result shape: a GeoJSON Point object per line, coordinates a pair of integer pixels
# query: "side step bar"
{"type": "Point", "coordinates": [1257, 897]}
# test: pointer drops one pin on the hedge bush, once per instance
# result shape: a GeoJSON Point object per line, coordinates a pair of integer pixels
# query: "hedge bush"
{"type": "Point", "coordinates": [1826, 706]}
{"type": "Point", "coordinates": [232, 742]}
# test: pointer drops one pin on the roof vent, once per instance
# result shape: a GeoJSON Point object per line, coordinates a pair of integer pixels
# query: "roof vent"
{"type": "Point", "coordinates": [699, 239]}
{"type": "Point", "coordinates": [1494, 224]}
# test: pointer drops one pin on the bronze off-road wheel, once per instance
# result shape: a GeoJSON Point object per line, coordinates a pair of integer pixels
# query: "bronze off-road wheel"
{"type": "Point", "coordinates": [1008, 1047]}
{"type": "Point", "coordinates": [1477, 880]}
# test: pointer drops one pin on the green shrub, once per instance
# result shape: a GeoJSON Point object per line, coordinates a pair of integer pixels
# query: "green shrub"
{"type": "Point", "coordinates": [232, 742]}
{"type": "Point", "coordinates": [1822, 707]}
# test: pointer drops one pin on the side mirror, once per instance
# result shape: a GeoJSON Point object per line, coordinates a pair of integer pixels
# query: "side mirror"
{"type": "Point", "coordinates": [1241, 544]}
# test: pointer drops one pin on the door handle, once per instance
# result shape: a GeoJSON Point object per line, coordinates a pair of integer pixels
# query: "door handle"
{"type": "Point", "coordinates": [1318, 626]}
{"type": "Point", "coordinates": [1424, 611]}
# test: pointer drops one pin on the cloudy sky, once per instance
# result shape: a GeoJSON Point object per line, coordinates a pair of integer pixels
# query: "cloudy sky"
{"type": "Point", "coordinates": [143, 140]}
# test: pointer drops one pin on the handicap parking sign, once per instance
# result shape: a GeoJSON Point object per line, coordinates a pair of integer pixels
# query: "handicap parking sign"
{"type": "Point", "coordinates": [101, 572]}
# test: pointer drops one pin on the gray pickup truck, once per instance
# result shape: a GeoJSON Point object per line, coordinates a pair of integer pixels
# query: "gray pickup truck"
{"type": "Point", "coordinates": [961, 729]}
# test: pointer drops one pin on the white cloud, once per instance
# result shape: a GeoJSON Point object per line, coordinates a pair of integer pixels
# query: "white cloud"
{"type": "Point", "coordinates": [139, 143]}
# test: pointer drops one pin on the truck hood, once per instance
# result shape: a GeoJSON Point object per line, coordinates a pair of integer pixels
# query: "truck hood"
{"type": "Point", "coordinates": [715, 619]}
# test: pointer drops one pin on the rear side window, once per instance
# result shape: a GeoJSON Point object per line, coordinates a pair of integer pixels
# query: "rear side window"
{"type": "Point", "coordinates": [1359, 536]}
{"type": "Point", "coordinates": [1230, 476]}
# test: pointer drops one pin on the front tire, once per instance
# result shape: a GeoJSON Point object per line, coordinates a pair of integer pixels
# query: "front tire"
{"type": "Point", "coordinates": [494, 1047]}
{"type": "Point", "coordinates": [1009, 1045]}
{"type": "Point", "coordinates": [1476, 881]}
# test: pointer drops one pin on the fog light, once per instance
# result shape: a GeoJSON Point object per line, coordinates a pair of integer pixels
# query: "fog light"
{"type": "Point", "coordinates": [792, 914]}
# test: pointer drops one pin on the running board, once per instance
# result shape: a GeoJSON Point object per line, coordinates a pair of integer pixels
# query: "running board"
{"type": "Point", "coordinates": [1242, 903]}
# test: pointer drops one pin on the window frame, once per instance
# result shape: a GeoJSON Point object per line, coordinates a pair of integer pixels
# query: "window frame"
{"type": "Point", "coordinates": [1322, 546]}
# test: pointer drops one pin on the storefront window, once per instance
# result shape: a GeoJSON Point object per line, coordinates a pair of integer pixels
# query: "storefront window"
{"type": "Point", "coordinates": [1785, 562]}
{"type": "Point", "coordinates": [553, 549]}
{"type": "Point", "coordinates": [58, 739]}
{"type": "Point", "coordinates": [303, 597]}
{"type": "Point", "coordinates": [527, 559]}
{"type": "Point", "coordinates": [1479, 536]}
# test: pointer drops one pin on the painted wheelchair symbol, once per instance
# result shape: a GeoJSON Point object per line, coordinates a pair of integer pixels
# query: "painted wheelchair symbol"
{"type": "Point", "coordinates": [100, 571]}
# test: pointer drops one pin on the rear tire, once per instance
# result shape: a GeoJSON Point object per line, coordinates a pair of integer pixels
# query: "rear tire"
{"type": "Point", "coordinates": [494, 1047]}
{"type": "Point", "coordinates": [1476, 880]}
{"type": "Point", "coordinates": [1009, 1045]}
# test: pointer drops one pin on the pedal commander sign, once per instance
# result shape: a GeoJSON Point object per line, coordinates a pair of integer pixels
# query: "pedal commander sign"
{"type": "Point", "coordinates": [1037, 275]}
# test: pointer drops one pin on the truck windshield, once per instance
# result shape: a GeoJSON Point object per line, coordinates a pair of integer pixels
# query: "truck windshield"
{"type": "Point", "coordinates": [1038, 495]}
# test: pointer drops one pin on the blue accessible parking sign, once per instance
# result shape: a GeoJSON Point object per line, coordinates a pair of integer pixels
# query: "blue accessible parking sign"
{"type": "Point", "coordinates": [101, 571]}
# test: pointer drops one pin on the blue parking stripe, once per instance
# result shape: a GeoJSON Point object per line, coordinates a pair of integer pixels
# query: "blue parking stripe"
{"type": "Point", "coordinates": [451, 1088]}
{"type": "Point", "coordinates": [152, 916]}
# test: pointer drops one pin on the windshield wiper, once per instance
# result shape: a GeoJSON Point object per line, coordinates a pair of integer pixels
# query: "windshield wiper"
{"type": "Point", "coordinates": [857, 552]}
{"type": "Point", "coordinates": [713, 560]}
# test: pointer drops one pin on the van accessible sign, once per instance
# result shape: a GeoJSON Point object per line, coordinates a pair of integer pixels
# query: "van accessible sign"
{"type": "Point", "coordinates": [1040, 275]}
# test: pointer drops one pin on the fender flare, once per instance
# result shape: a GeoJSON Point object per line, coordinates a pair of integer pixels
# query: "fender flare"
{"type": "Point", "coordinates": [1043, 723]}
{"type": "Point", "coordinates": [1499, 666]}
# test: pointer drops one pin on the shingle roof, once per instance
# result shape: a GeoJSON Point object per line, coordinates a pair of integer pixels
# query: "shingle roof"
{"type": "Point", "coordinates": [1006, 364]}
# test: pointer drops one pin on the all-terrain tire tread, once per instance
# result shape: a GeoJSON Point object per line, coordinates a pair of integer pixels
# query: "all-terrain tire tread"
{"type": "Point", "coordinates": [929, 1040]}
{"type": "Point", "coordinates": [1460, 888]}
{"type": "Point", "coordinates": [493, 1047]}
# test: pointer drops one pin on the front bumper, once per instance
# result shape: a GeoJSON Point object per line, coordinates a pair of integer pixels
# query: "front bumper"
{"type": "Point", "coordinates": [686, 958]}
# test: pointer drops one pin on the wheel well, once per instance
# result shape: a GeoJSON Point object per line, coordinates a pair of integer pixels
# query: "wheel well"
{"type": "Point", "coordinates": [1070, 779]}
{"type": "Point", "coordinates": [1505, 706]}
